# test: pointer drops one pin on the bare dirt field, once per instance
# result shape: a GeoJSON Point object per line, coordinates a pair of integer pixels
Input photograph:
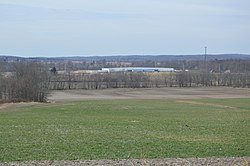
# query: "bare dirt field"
{"type": "Point", "coordinates": [142, 93]}
{"type": "Point", "coordinates": [156, 93]}
{"type": "Point", "coordinates": [213, 161]}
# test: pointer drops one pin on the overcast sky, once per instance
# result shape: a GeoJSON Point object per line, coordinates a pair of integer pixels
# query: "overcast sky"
{"type": "Point", "coordinates": [123, 27]}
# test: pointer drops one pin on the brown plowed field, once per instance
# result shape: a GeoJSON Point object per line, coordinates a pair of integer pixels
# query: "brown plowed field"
{"type": "Point", "coordinates": [155, 93]}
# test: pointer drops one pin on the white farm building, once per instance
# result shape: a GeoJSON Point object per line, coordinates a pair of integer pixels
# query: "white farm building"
{"type": "Point", "coordinates": [136, 69]}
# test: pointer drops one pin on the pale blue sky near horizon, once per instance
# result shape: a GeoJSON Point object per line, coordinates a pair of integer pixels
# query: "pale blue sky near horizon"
{"type": "Point", "coordinates": [123, 27]}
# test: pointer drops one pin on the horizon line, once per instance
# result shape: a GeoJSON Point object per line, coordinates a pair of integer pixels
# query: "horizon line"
{"type": "Point", "coordinates": [122, 55]}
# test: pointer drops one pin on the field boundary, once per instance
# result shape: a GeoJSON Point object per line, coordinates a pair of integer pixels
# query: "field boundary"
{"type": "Point", "coordinates": [242, 161]}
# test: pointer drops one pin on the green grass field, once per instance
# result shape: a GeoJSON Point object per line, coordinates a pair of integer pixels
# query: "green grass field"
{"type": "Point", "coordinates": [122, 129]}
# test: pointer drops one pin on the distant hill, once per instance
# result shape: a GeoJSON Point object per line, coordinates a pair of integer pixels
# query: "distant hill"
{"type": "Point", "coordinates": [130, 58]}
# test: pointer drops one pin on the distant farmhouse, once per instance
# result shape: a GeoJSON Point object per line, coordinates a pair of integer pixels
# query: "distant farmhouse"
{"type": "Point", "coordinates": [136, 69]}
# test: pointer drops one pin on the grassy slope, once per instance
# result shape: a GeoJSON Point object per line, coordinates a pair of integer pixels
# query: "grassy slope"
{"type": "Point", "coordinates": [119, 129]}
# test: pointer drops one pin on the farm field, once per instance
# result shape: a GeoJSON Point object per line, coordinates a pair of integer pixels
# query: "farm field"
{"type": "Point", "coordinates": [126, 128]}
{"type": "Point", "coordinates": [150, 93]}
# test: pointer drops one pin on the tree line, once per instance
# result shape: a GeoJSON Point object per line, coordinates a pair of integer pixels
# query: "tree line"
{"type": "Point", "coordinates": [23, 81]}
{"type": "Point", "coordinates": [148, 80]}
{"type": "Point", "coordinates": [218, 66]}
{"type": "Point", "coordinates": [232, 73]}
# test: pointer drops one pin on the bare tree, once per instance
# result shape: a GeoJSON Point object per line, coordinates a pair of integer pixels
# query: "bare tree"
{"type": "Point", "coordinates": [27, 82]}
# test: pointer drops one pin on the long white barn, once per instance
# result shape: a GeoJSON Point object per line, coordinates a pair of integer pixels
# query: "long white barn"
{"type": "Point", "coordinates": [136, 69]}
